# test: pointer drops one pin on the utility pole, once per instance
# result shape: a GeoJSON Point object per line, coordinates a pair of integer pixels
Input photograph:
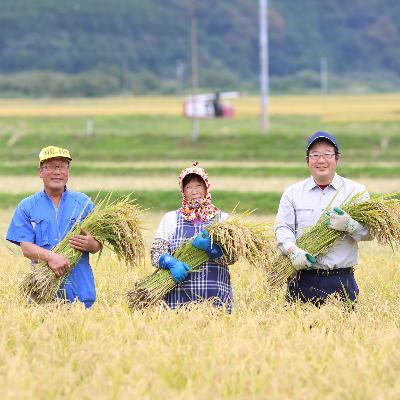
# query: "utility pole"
{"type": "Point", "coordinates": [264, 65]}
{"type": "Point", "coordinates": [179, 71]}
{"type": "Point", "coordinates": [324, 76]}
{"type": "Point", "coordinates": [89, 127]}
{"type": "Point", "coordinates": [193, 37]}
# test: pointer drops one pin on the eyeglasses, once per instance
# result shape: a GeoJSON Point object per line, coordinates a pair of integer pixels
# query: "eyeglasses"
{"type": "Point", "coordinates": [53, 167]}
{"type": "Point", "coordinates": [325, 156]}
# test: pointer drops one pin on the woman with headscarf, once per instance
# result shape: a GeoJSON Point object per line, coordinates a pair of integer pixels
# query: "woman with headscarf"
{"type": "Point", "coordinates": [212, 281]}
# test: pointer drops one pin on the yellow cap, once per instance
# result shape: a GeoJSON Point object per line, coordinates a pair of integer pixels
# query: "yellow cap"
{"type": "Point", "coordinates": [53, 152]}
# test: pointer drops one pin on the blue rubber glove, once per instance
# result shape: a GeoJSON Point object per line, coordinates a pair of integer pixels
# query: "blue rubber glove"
{"type": "Point", "coordinates": [179, 270]}
{"type": "Point", "coordinates": [203, 242]}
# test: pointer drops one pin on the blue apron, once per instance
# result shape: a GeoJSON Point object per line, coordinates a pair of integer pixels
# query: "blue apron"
{"type": "Point", "coordinates": [212, 281]}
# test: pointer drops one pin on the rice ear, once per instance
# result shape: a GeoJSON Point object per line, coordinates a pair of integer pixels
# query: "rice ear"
{"type": "Point", "coordinates": [115, 224]}
{"type": "Point", "coordinates": [237, 236]}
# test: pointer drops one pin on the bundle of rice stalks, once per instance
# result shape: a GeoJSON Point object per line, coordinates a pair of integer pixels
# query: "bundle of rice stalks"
{"type": "Point", "coordinates": [381, 214]}
{"type": "Point", "coordinates": [115, 224]}
{"type": "Point", "coordinates": [238, 237]}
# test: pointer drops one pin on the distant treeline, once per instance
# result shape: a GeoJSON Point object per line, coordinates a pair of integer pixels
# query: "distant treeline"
{"type": "Point", "coordinates": [99, 47]}
{"type": "Point", "coordinates": [100, 83]}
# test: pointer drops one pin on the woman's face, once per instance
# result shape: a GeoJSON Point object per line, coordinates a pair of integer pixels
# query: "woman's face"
{"type": "Point", "coordinates": [195, 189]}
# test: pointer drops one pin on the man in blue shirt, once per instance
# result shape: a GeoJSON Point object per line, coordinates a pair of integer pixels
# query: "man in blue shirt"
{"type": "Point", "coordinates": [43, 219]}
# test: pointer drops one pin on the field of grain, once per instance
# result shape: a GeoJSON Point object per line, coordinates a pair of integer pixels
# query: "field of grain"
{"type": "Point", "coordinates": [372, 107]}
{"type": "Point", "coordinates": [26, 184]}
{"type": "Point", "coordinates": [265, 349]}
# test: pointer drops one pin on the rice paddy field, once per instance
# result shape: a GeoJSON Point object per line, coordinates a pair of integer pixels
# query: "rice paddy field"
{"type": "Point", "coordinates": [266, 348]}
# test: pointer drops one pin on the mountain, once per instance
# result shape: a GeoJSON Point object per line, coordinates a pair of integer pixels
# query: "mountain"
{"type": "Point", "coordinates": [144, 45]}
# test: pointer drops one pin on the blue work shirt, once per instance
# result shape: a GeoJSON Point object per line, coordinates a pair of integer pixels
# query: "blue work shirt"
{"type": "Point", "coordinates": [36, 220]}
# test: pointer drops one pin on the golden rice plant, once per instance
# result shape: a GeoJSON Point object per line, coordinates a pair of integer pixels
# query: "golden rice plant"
{"type": "Point", "coordinates": [238, 237]}
{"type": "Point", "coordinates": [381, 214]}
{"type": "Point", "coordinates": [115, 224]}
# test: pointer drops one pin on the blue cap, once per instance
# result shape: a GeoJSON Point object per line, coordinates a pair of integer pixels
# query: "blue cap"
{"type": "Point", "coordinates": [321, 135]}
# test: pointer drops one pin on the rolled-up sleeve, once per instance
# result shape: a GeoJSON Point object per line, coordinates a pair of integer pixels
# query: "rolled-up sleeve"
{"type": "Point", "coordinates": [158, 248]}
{"type": "Point", "coordinates": [20, 229]}
{"type": "Point", "coordinates": [285, 223]}
{"type": "Point", "coordinates": [362, 233]}
{"type": "Point", "coordinates": [162, 241]}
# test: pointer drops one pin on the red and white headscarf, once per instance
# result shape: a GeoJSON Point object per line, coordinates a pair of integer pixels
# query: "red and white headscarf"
{"type": "Point", "coordinates": [191, 210]}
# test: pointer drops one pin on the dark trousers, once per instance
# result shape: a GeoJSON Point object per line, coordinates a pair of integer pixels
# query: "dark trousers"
{"type": "Point", "coordinates": [315, 286]}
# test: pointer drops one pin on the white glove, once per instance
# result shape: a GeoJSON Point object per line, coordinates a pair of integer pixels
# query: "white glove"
{"type": "Point", "coordinates": [341, 221]}
{"type": "Point", "coordinates": [300, 259]}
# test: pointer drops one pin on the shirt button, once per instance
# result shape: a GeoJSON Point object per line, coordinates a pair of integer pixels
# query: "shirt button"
{"type": "Point", "coordinates": [323, 194]}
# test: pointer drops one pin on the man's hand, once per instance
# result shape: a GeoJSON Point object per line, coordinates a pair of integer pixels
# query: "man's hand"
{"type": "Point", "coordinates": [300, 259]}
{"type": "Point", "coordinates": [85, 242]}
{"type": "Point", "coordinates": [58, 263]}
{"type": "Point", "coordinates": [341, 221]}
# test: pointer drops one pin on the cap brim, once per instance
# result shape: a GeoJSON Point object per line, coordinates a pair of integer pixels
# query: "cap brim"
{"type": "Point", "coordinates": [323, 138]}
{"type": "Point", "coordinates": [50, 158]}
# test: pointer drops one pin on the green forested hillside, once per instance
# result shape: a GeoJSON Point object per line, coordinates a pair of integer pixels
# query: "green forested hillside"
{"type": "Point", "coordinates": [136, 45]}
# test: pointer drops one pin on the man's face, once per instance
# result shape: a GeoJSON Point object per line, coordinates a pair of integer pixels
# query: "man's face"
{"type": "Point", "coordinates": [322, 162]}
{"type": "Point", "coordinates": [54, 173]}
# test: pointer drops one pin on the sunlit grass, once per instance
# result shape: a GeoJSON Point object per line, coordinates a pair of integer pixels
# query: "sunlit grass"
{"type": "Point", "coordinates": [365, 107]}
{"type": "Point", "coordinates": [249, 185]}
{"type": "Point", "coordinates": [165, 200]}
{"type": "Point", "coordinates": [345, 168]}
{"type": "Point", "coordinates": [344, 108]}
{"type": "Point", "coordinates": [264, 350]}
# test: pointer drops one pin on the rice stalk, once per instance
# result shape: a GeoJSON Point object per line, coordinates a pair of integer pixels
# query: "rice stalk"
{"type": "Point", "coordinates": [115, 224]}
{"type": "Point", "coordinates": [238, 237]}
{"type": "Point", "coordinates": [380, 214]}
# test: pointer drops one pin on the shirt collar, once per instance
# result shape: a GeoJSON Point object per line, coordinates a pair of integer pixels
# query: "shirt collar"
{"type": "Point", "coordinates": [310, 184]}
{"type": "Point", "coordinates": [336, 183]}
{"type": "Point", "coordinates": [66, 191]}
